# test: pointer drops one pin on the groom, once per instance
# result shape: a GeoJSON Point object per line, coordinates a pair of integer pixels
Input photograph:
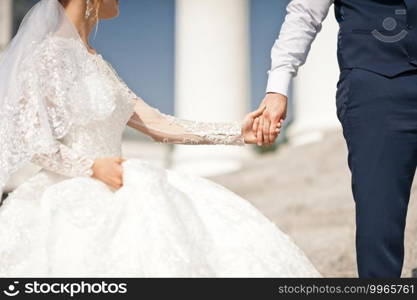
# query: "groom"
{"type": "Point", "coordinates": [376, 105]}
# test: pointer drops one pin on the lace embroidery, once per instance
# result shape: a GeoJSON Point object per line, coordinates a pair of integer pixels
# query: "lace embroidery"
{"type": "Point", "coordinates": [66, 162]}
{"type": "Point", "coordinates": [60, 87]}
{"type": "Point", "coordinates": [211, 133]}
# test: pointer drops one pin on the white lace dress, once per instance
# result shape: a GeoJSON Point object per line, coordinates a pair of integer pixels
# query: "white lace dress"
{"type": "Point", "coordinates": [161, 223]}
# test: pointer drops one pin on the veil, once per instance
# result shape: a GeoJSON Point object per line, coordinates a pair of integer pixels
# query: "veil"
{"type": "Point", "coordinates": [31, 122]}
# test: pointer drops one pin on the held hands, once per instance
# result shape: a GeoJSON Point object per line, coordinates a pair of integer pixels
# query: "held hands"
{"type": "Point", "coordinates": [109, 170]}
{"type": "Point", "coordinates": [250, 134]}
{"type": "Point", "coordinates": [263, 126]}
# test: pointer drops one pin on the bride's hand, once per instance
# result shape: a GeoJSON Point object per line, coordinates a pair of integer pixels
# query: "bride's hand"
{"type": "Point", "coordinates": [248, 131]}
{"type": "Point", "coordinates": [109, 170]}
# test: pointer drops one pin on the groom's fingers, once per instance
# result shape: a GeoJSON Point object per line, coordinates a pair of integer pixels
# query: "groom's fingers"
{"type": "Point", "coordinates": [259, 135]}
{"type": "Point", "coordinates": [273, 134]}
{"type": "Point", "coordinates": [266, 132]}
{"type": "Point", "coordinates": [275, 131]}
{"type": "Point", "coordinates": [255, 126]}
{"type": "Point", "coordinates": [276, 124]}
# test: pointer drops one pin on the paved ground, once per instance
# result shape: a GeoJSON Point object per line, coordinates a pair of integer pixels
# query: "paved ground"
{"type": "Point", "coordinates": [305, 190]}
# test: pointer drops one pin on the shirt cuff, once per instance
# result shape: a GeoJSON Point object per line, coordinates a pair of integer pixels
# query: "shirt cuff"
{"type": "Point", "coordinates": [279, 82]}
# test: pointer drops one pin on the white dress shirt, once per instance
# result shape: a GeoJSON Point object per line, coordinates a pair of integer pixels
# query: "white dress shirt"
{"type": "Point", "coordinates": [303, 21]}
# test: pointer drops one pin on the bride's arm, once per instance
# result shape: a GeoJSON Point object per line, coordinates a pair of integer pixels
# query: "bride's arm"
{"type": "Point", "coordinates": [168, 129]}
{"type": "Point", "coordinates": [65, 162]}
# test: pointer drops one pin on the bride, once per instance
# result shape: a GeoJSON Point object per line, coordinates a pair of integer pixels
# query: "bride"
{"type": "Point", "coordinates": [89, 212]}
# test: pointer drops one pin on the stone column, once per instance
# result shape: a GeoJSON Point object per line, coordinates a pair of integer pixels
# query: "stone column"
{"type": "Point", "coordinates": [6, 16]}
{"type": "Point", "coordinates": [212, 76]}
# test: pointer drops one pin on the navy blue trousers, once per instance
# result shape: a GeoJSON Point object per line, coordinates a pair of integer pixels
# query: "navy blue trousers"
{"type": "Point", "coordinates": [379, 120]}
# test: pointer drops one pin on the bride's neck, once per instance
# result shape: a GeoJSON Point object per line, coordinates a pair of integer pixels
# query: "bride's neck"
{"type": "Point", "coordinates": [75, 11]}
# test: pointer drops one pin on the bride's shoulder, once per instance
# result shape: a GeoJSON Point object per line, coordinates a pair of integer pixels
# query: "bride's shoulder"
{"type": "Point", "coordinates": [55, 49]}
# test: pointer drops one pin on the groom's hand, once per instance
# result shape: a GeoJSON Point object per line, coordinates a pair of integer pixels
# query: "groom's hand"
{"type": "Point", "coordinates": [275, 112]}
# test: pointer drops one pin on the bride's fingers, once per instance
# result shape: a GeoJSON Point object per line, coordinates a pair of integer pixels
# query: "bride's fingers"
{"type": "Point", "coordinates": [120, 160]}
{"type": "Point", "coordinates": [117, 183]}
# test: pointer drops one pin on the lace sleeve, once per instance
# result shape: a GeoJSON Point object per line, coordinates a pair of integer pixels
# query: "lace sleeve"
{"type": "Point", "coordinates": [65, 162]}
{"type": "Point", "coordinates": [168, 129]}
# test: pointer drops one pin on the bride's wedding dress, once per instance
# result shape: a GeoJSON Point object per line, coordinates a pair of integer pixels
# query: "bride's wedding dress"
{"type": "Point", "coordinates": [161, 223]}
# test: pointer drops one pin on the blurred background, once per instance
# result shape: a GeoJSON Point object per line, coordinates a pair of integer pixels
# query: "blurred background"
{"type": "Point", "coordinates": [207, 60]}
